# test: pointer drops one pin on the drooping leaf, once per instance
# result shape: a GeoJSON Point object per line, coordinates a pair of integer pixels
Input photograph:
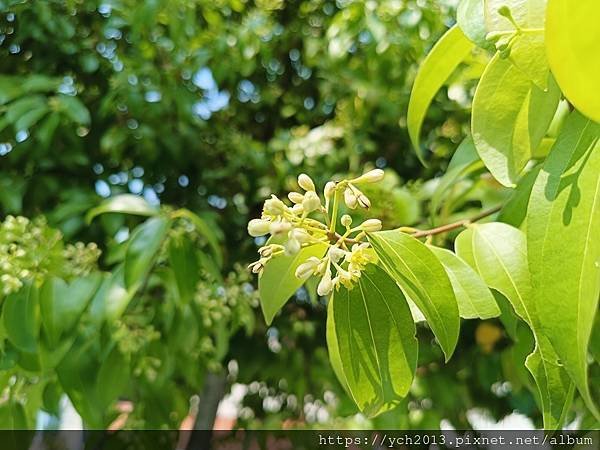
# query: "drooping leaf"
{"type": "Point", "coordinates": [21, 317]}
{"type": "Point", "coordinates": [563, 220]}
{"type": "Point", "coordinates": [473, 296]}
{"type": "Point", "coordinates": [206, 231]}
{"type": "Point", "coordinates": [74, 109]}
{"type": "Point", "coordinates": [444, 58]}
{"type": "Point", "coordinates": [424, 280]}
{"type": "Point", "coordinates": [111, 298]}
{"type": "Point", "coordinates": [572, 36]}
{"type": "Point", "coordinates": [183, 261]}
{"type": "Point", "coordinates": [373, 330]}
{"type": "Point", "coordinates": [62, 304]}
{"type": "Point", "coordinates": [124, 203]}
{"type": "Point", "coordinates": [113, 377]}
{"type": "Point", "coordinates": [278, 281]}
{"type": "Point", "coordinates": [510, 118]}
{"type": "Point", "coordinates": [142, 249]}
{"type": "Point", "coordinates": [499, 253]}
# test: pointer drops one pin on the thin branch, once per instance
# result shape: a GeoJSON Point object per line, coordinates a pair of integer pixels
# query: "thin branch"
{"type": "Point", "coordinates": [455, 225]}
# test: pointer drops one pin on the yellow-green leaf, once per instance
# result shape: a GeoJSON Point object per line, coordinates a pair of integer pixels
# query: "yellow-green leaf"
{"type": "Point", "coordinates": [452, 48]}
{"type": "Point", "coordinates": [573, 48]}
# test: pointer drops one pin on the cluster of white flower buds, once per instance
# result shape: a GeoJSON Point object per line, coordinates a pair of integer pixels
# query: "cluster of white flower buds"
{"type": "Point", "coordinates": [292, 228]}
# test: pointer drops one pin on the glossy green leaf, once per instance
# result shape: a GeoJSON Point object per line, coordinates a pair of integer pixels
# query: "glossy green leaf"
{"type": "Point", "coordinates": [183, 261]}
{"type": "Point", "coordinates": [21, 317]}
{"type": "Point", "coordinates": [62, 304]}
{"type": "Point", "coordinates": [444, 58]}
{"type": "Point", "coordinates": [144, 244]}
{"type": "Point", "coordinates": [125, 204]}
{"type": "Point", "coordinates": [424, 280]}
{"type": "Point", "coordinates": [514, 210]}
{"type": "Point", "coordinates": [278, 282]}
{"type": "Point", "coordinates": [206, 231]}
{"type": "Point", "coordinates": [464, 162]}
{"type": "Point", "coordinates": [113, 377]}
{"type": "Point", "coordinates": [572, 37]}
{"type": "Point", "coordinates": [499, 253]}
{"type": "Point", "coordinates": [527, 51]}
{"type": "Point", "coordinates": [473, 296]}
{"type": "Point", "coordinates": [470, 18]}
{"type": "Point", "coordinates": [375, 337]}
{"type": "Point", "coordinates": [510, 118]}
{"type": "Point", "coordinates": [111, 298]}
{"type": "Point", "coordinates": [333, 348]}
{"type": "Point", "coordinates": [563, 220]}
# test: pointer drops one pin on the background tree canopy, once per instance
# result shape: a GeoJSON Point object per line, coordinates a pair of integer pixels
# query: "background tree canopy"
{"type": "Point", "coordinates": [137, 139]}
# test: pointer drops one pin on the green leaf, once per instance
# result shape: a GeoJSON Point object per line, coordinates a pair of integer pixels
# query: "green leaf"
{"type": "Point", "coordinates": [563, 220]}
{"type": "Point", "coordinates": [474, 298]}
{"type": "Point", "coordinates": [113, 377]}
{"type": "Point", "coordinates": [464, 162]}
{"type": "Point", "coordinates": [278, 281]}
{"type": "Point", "coordinates": [22, 106]}
{"type": "Point", "coordinates": [183, 261]}
{"type": "Point", "coordinates": [62, 304]}
{"type": "Point", "coordinates": [424, 280]}
{"type": "Point", "coordinates": [31, 117]}
{"type": "Point", "coordinates": [471, 20]}
{"type": "Point", "coordinates": [207, 232]}
{"type": "Point", "coordinates": [499, 253]}
{"type": "Point", "coordinates": [515, 209]}
{"type": "Point", "coordinates": [21, 318]}
{"type": "Point", "coordinates": [449, 51]}
{"type": "Point", "coordinates": [111, 298]}
{"type": "Point", "coordinates": [572, 36]}
{"type": "Point", "coordinates": [144, 244]}
{"type": "Point", "coordinates": [527, 51]}
{"type": "Point", "coordinates": [74, 109]}
{"type": "Point", "coordinates": [125, 204]}
{"type": "Point", "coordinates": [510, 118]}
{"type": "Point", "coordinates": [373, 330]}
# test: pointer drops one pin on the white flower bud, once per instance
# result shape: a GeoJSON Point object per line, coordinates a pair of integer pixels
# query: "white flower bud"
{"type": "Point", "coordinates": [311, 202]}
{"type": "Point", "coordinates": [326, 284]}
{"type": "Point", "coordinates": [300, 235]}
{"type": "Point", "coordinates": [371, 225]}
{"type": "Point", "coordinates": [274, 206]}
{"type": "Point", "coordinates": [279, 228]}
{"type": "Point", "coordinates": [329, 189]}
{"type": "Point", "coordinates": [306, 269]}
{"type": "Point", "coordinates": [291, 247]}
{"type": "Point", "coordinates": [298, 209]}
{"type": "Point", "coordinates": [296, 197]}
{"type": "Point", "coordinates": [350, 199]}
{"type": "Point", "coordinates": [363, 201]}
{"type": "Point", "coordinates": [258, 227]}
{"type": "Point", "coordinates": [372, 176]}
{"type": "Point", "coordinates": [336, 253]}
{"type": "Point", "coordinates": [305, 182]}
{"type": "Point", "coordinates": [346, 220]}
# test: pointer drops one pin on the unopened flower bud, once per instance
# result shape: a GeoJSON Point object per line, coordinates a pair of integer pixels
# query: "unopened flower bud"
{"type": "Point", "coordinates": [311, 202]}
{"type": "Point", "coordinates": [300, 235]}
{"type": "Point", "coordinates": [350, 199]}
{"type": "Point", "coordinates": [291, 247]}
{"type": "Point", "coordinates": [363, 201]}
{"type": "Point", "coordinates": [306, 269]}
{"type": "Point", "coordinates": [296, 197]}
{"type": "Point", "coordinates": [372, 176]}
{"type": "Point", "coordinates": [326, 284]}
{"type": "Point", "coordinates": [335, 254]}
{"type": "Point", "coordinates": [371, 225]}
{"type": "Point", "coordinates": [258, 227]}
{"type": "Point", "coordinates": [329, 189]}
{"type": "Point", "coordinates": [298, 209]}
{"type": "Point", "coordinates": [305, 182]}
{"type": "Point", "coordinates": [274, 206]}
{"type": "Point", "coordinates": [346, 220]}
{"type": "Point", "coordinates": [279, 228]}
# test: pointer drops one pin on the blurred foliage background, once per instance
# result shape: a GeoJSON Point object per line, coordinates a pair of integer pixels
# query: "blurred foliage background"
{"type": "Point", "coordinates": [211, 106]}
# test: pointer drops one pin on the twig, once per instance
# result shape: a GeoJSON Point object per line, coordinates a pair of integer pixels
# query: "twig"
{"type": "Point", "coordinates": [455, 225]}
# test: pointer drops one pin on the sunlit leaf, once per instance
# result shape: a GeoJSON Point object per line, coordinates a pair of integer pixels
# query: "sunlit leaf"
{"type": "Point", "coordinates": [373, 332]}
{"type": "Point", "coordinates": [124, 203]}
{"type": "Point", "coordinates": [21, 317]}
